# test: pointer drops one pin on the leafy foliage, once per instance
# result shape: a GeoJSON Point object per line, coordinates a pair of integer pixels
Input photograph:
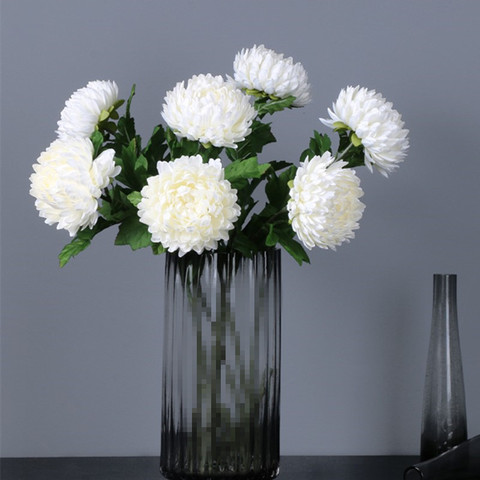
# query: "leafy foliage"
{"type": "Point", "coordinates": [260, 137]}
{"type": "Point", "coordinates": [319, 144]}
{"type": "Point", "coordinates": [266, 105]}
{"type": "Point", "coordinates": [354, 152]}
{"type": "Point", "coordinates": [132, 232]}
{"type": "Point", "coordinates": [253, 231]}
{"type": "Point", "coordinates": [81, 241]}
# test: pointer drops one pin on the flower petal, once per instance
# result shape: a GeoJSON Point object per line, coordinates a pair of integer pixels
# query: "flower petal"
{"type": "Point", "coordinates": [324, 206]}
{"type": "Point", "coordinates": [188, 205]}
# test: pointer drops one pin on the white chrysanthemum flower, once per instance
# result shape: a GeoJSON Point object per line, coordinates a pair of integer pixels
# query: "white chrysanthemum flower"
{"type": "Point", "coordinates": [262, 69]}
{"type": "Point", "coordinates": [82, 110]}
{"type": "Point", "coordinates": [189, 205]}
{"type": "Point", "coordinates": [324, 206]}
{"type": "Point", "coordinates": [209, 109]}
{"type": "Point", "coordinates": [378, 126]}
{"type": "Point", "coordinates": [67, 183]}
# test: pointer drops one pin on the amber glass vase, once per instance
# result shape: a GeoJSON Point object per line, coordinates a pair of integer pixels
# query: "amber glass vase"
{"type": "Point", "coordinates": [221, 366]}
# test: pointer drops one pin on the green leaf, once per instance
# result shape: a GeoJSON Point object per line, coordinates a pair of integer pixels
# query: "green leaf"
{"type": "Point", "coordinates": [277, 188]}
{"type": "Point", "coordinates": [245, 169]}
{"type": "Point", "coordinates": [109, 127]}
{"type": "Point", "coordinates": [293, 248]}
{"type": "Point", "coordinates": [260, 136]}
{"type": "Point", "coordinates": [124, 133]}
{"type": "Point", "coordinates": [155, 149]}
{"type": "Point", "coordinates": [76, 246]}
{"type": "Point", "coordinates": [324, 144]}
{"type": "Point", "coordinates": [240, 184]}
{"type": "Point", "coordinates": [208, 152]}
{"type": "Point", "coordinates": [141, 166]}
{"type": "Point", "coordinates": [115, 205]}
{"type": "Point", "coordinates": [181, 146]}
{"type": "Point", "coordinates": [318, 145]}
{"type": "Point", "coordinates": [246, 203]}
{"type": "Point", "coordinates": [307, 153]}
{"type": "Point", "coordinates": [158, 248]}
{"type": "Point", "coordinates": [134, 233]}
{"type": "Point", "coordinates": [134, 198]}
{"type": "Point", "coordinates": [279, 165]}
{"type": "Point", "coordinates": [273, 106]}
{"type": "Point", "coordinates": [133, 172]}
{"type": "Point", "coordinates": [81, 241]}
{"type": "Point", "coordinates": [129, 101]}
{"type": "Point", "coordinates": [109, 213]}
{"type": "Point", "coordinates": [97, 141]}
{"type": "Point", "coordinates": [355, 155]}
{"type": "Point", "coordinates": [272, 237]}
{"type": "Point", "coordinates": [241, 243]}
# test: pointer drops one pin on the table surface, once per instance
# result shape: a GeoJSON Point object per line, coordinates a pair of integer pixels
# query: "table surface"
{"type": "Point", "coordinates": [146, 468]}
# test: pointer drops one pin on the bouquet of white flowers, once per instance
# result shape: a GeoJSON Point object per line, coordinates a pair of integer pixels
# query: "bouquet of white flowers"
{"type": "Point", "coordinates": [176, 193]}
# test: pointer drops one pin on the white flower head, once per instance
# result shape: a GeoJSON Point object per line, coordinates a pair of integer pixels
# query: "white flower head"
{"type": "Point", "coordinates": [189, 205]}
{"type": "Point", "coordinates": [68, 182]}
{"type": "Point", "coordinates": [375, 122]}
{"type": "Point", "coordinates": [209, 109]}
{"type": "Point", "coordinates": [82, 110]}
{"type": "Point", "coordinates": [262, 69]}
{"type": "Point", "coordinates": [324, 206]}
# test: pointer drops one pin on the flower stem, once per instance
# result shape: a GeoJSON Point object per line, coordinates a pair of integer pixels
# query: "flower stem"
{"type": "Point", "coordinates": [283, 210]}
{"type": "Point", "coordinates": [339, 157]}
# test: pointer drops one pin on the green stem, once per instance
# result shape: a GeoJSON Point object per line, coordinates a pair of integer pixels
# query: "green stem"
{"type": "Point", "coordinates": [275, 215]}
{"type": "Point", "coordinates": [339, 157]}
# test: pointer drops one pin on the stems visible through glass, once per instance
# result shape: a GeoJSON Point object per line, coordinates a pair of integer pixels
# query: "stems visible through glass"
{"type": "Point", "coordinates": [221, 374]}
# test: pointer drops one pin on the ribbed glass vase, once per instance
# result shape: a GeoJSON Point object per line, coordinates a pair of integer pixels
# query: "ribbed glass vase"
{"type": "Point", "coordinates": [221, 366]}
{"type": "Point", "coordinates": [444, 422]}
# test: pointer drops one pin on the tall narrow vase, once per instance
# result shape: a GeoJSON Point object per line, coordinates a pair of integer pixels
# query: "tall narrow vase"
{"type": "Point", "coordinates": [444, 415]}
{"type": "Point", "coordinates": [221, 369]}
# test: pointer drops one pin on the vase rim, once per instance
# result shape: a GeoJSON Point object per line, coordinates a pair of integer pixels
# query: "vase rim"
{"type": "Point", "coordinates": [222, 253]}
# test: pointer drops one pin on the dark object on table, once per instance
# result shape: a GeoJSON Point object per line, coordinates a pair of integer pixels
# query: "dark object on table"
{"type": "Point", "coordinates": [459, 463]}
{"type": "Point", "coordinates": [444, 422]}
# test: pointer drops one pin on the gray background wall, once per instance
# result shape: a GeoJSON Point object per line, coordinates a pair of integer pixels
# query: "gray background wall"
{"type": "Point", "coordinates": [81, 346]}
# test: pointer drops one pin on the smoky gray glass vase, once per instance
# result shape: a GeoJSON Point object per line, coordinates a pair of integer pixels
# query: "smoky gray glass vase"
{"type": "Point", "coordinates": [444, 422]}
{"type": "Point", "coordinates": [221, 366]}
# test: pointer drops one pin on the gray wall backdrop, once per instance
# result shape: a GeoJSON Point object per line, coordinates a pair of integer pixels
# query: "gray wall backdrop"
{"type": "Point", "coordinates": [81, 346]}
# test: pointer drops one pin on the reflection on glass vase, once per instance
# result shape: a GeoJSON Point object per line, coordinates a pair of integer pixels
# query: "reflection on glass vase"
{"type": "Point", "coordinates": [444, 423]}
{"type": "Point", "coordinates": [221, 366]}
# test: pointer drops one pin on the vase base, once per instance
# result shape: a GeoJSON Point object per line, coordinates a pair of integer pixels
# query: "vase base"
{"type": "Point", "coordinates": [266, 474]}
{"type": "Point", "coordinates": [431, 448]}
